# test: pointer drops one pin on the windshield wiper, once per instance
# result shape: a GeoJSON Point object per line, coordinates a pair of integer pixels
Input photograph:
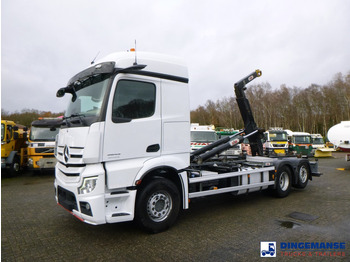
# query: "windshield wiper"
{"type": "Point", "coordinates": [80, 117]}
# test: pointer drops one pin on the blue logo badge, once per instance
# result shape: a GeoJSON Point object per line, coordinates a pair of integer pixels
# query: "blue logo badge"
{"type": "Point", "coordinates": [267, 249]}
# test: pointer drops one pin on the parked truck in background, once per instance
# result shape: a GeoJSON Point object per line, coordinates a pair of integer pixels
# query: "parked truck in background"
{"type": "Point", "coordinates": [202, 135]}
{"type": "Point", "coordinates": [13, 147]}
{"type": "Point", "coordinates": [123, 148]}
{"type": "Point", "coordinates": [319, 146]}
{"type": "Point", "coordinates": [300, 143]}
{"type": "Point", "coordinates": [276, 142]}
{"type": "Point", "coordinates": [41, 143]}
{"type": "Point", "coordinates": [317, 141]}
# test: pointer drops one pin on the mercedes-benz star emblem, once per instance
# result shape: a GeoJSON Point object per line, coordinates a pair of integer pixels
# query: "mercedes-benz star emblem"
{"type": "Point", "coordinates": [66, 153]}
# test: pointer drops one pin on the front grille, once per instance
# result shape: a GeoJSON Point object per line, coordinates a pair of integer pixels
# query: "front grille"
{"type": "Point", "coordinates": [44, 150]}
{"type": "Point", "coordinates": [66, 199]}
{"type": "Point", "coordinates": [69, 174]}
{"type": "Point", "coordinates": [70, 156]}
{"type": "Point", "coordinates": [72, 165]}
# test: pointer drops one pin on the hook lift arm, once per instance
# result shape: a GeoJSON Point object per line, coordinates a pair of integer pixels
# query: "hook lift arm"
{"type": "Point", "coordinates": [252, 132]}
{"type": "Point", "coordinates": [247, 115]}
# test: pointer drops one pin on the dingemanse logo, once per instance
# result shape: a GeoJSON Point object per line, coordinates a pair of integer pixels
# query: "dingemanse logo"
{"type": "Point", "coordinates": [267, 249]}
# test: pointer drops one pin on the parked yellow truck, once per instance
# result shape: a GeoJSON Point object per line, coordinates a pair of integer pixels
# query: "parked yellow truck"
{"type": "Point", "coordinates": [41, 143]}
{"type": "Point", "coordinates": [13, 147]}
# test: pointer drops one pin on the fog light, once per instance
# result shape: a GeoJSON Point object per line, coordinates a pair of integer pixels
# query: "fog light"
{"type": "Point", "coordinates": [88, 185]}
{"type": "Point", "coordinates": [85, 208]}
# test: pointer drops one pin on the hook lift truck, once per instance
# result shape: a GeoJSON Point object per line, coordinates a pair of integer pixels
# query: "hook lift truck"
{"type": "Point", "coordinates": [123, 148]}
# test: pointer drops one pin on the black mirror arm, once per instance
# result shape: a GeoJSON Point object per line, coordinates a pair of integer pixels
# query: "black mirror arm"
{"type": "Point", "coordinates": [69, 89]}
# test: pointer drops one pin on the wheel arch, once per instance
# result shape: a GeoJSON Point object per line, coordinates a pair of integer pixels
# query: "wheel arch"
{"type": "Point", "coordinates": [165, 172]}
{"type": "Point", "coordinates": [11, 157]}
{"type": "Point", "coordinates": [286, 164]}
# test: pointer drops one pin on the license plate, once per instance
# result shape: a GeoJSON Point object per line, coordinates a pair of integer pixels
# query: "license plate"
{"type": "Point", "coordinates": [279, 151]}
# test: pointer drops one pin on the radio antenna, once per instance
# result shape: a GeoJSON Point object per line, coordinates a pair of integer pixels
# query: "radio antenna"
{"type": "Point", "coordinates": [93, 61]}
{"type": "Point", "coordinates": [135, 63]}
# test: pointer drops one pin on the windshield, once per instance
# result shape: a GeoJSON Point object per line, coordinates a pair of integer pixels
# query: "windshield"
{"type": "Point", "coordinates": [318, 141]}
{"type": "Point", "coordinates": [89, 100]}
{"type": "Point", "coordinates": [280, 136]}
{"type": "Point", "coordinates": [2, 132]}
{"type": "Point", "coordinates": [43, 133]}
{"type": "Point", "coordinates": [302, 140]}
{"type": "Point", "coordinates": [203, 136]}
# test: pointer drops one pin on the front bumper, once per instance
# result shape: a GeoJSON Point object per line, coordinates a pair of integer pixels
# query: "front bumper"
{"type": "Point", "coordinates": [101, 205]}
{"type": "Point", "coordinates": [39, 162]}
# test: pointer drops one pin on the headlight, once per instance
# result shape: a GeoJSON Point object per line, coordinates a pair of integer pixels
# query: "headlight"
{"type": "Point", "coordinates": [88, 185]}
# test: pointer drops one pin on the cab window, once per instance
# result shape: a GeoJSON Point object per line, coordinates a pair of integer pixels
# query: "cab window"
{"type": "Point", "coordinates": [133, 100]}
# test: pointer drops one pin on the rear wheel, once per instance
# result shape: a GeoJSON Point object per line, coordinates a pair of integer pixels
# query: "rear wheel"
{"type": "Point", "coordinates": [283, 182]}
{"type": "Point", "coordinates": [157, 205]}
{"type": "Point", "coordinates": [303, 176]}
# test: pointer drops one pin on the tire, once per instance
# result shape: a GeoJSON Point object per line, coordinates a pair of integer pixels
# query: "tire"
{"type": "Point", "coordinates": [15, 166]}
{"type": "Point", "coordinates": [283, 182]}
{"type": "Point", "coordinates": [157, 205]}
{"type": "Point", "coordinates": [303, 176]}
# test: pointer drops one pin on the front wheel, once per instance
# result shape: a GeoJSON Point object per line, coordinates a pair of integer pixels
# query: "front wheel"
{"type": "Point", "coordinates": [283, 182]}
{"type": "Point", "coordinates": [15, 166]}
{"type": "Point", "coordinates": [157, 205]}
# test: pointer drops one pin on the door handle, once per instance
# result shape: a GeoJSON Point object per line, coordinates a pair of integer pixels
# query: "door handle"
{"type": "Point", "coordinates": [153, 148]}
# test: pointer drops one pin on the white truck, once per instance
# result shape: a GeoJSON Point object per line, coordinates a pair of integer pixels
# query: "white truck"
{"type": "Point", "coordinates": [123, 148]}
{"type": "Point", "coordinates": [202, 135]}
{"type": "Point", "coordinates": [319, 146]}
{"type": "Point", "coordinates": [317, 141]}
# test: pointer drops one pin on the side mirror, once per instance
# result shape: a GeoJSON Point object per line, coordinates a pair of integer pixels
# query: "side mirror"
{"type": "Point", "coordinates": [61, 92]}
{"type": "Point", "coordinates": [15, 135]}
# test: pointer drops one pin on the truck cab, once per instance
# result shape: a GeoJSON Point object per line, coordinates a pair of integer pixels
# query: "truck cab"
{"type": "Point", "coordinates": [276, 142]}
{"type": "Point", "coordinates": [317, 141]}
{"type": "Point", "coordinates": [41, 143]}
{"type": "Point", "coordinates": [300, 144]}
{"type": "Point", "coordinates": [128, 121]}
{"type": "Point", "coordinates": [13, 147]}
{"type": "Point", "coordinates": [202, 135]}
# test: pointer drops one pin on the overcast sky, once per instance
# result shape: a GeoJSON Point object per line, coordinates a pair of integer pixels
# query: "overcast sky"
{"type": "Point", "coordinates": [297, 43]}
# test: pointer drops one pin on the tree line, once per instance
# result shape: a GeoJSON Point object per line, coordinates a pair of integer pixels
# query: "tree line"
{"type": "Point", "coordinates": [314, 109]}
{"type": "Point", "coordinates": [27, 116]}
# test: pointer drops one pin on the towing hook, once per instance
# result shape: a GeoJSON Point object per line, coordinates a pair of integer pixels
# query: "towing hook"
{"type": "Point", "coordinates": [258, 72]}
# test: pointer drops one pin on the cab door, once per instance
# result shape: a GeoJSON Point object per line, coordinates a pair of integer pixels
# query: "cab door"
{"type": "Point", "coordinates": [133, 124]}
